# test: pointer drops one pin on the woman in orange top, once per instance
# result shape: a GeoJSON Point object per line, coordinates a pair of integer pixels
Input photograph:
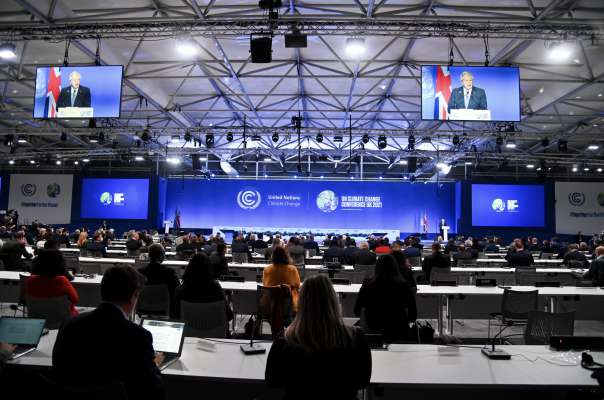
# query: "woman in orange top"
{"type": "Point", "coordinates": [49, 278]}
{"type": "Point", "coordinates": [282, 272]}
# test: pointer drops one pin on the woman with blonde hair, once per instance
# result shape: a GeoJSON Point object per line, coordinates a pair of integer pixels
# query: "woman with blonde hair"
{"type": "Point", "coordinates": [319, 356]}
{"type": "Point", "coordinates": [82, 239]}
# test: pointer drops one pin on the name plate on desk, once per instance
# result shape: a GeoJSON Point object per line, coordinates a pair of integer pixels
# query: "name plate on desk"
{"type": "Point", "coordinates": [75, 112]}
{"type": "Point", "coordinates": [464, 114]}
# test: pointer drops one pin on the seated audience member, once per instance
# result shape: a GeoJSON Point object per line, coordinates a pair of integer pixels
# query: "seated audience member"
{"type": "Point", "coordinates": [388, 301]}
{"type": "Point", "coordinates": [134, 242]}
{"type": "Point", "coordinates": [404, 269]}
{"type": "Point", "coordinates": [103, 346]}
{"type": "Point", "coordinates": [185, 249]}
{"type": "Point", "coordinates": [451, 247]}
{"type": "Point", "coordinates": [520, 257]}
{"type": "Point", "coordinates": [13, 252]}
{"type": "Point", "coordinates": [282, 272]}
{"type": "Point", "coordinates": [259, 243]}
{"type": "Point", "coordinates": [412, 252]}
{"type": "Point", "coordinates": [437, 260]}
{"type": "Point", "coordinates": [349, 252]}
{"type": "Point", "coordinates": [583, 246]}
{"type": "Point", "coordinates": [82, 240]}
{"type": "Point", "coordinates": [534, 245]}
{"type": "Point", "coordinates": [383, 247]}
{"type": "Point", "coordinates": [158, 274]}
{"type": "Point", "coordinates": [220, 265]}
{"type": "Point", "coordinates": [199, 285]}
{"type": "Point", "coordinates": [596, 270]}
{"type": "Point", "coordinates": [334, 252]}
{"type": "Point", "coordinates": [491, 247]}
{"type": "Point", "coordinates": [50, 279]}
{"type": "Point", "coordinates": [239, 245]}
{"type": "Point", "coordinates": [310, 244]}
{"type": "Point", "coordinates": [546, 248]}
{"type": "Point", "coordinates": [462, 254]}
{"type": "Point", "coordinates": [319, 357]}
{"type": "Point", "coordinates": [97, 246]}
{"type": "Point", "coordinates": [416, 242]}
{"type": "Point", "coordinates": [269, 251]}
{"type": "Point", "coordinates": [295, 250]}
{"type": "Point", "coordinates": [363, 256]}
{"type": "Point", "coordinates": [574, 257]}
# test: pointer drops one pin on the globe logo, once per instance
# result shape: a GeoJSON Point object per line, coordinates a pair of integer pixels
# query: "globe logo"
{"type": "Point", "coordinates": [28, 189]}
{"type": "Point", "coordinates": [53, 190]}
{"type": "Point", "coordinates": [600, 199]}
{"type": "Point", "coordinates": [327, 201]}
{"type": "Point", "coordinates": [498, 205]}
{"type": "Point", "coordinates": [576, 199]}
{"type": "Point", "coordinates": [106, 198]}
{"type": "Point", "coordinates": [248, 199]}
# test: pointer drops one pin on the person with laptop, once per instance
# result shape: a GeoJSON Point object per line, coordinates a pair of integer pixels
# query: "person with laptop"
{"type": "Point", "coordinates": [104, 346]}
{"type": "Point", "coordinates": [6, 350]}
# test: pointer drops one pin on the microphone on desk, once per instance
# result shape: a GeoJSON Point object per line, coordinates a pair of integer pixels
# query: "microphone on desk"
{"type": "Point", "coordinates": [249, 349]}
{"type": "Point", "coordinates": [492, 352]}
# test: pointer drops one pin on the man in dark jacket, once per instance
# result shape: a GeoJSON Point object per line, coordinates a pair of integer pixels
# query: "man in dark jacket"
{"type": "Point", "coordinates": [596, 271]}
{"type": "Point", "coordinates": [574, 257]}
{"type": "Point", "coordinates": [158, 274]}
{"type": "Point", "coordinates": [13, 251]}
{"type": "Point", "coordinates": [103, 346]}
{"type": "Point", "coordinates": [438, 260]}
{"type": "Point", "coordinates": [519, 257]}
{"type": "Point", "coordinates": [363, 256]}
{"type": "Point", "coordinates": [219, 262]}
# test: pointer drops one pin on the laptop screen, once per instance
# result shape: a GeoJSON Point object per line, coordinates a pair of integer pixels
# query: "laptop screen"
{"type": "Point", "coordinates": [167, 335]}
{"type": "Point", "coordinates": [21, 330]}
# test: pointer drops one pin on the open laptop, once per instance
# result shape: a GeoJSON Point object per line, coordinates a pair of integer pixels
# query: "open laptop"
{"type": "Point", "coordinates": [168, 338]}
{"type": "Point", "coordinates": [23, 332]}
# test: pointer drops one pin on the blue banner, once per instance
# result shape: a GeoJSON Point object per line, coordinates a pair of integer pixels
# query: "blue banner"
{"type": "Point", "coordinates": [115, 198]}
{"type": "Point", "coordinates": [508, 205]}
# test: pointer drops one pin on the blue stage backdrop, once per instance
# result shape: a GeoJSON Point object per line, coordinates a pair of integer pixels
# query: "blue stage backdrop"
{"type": "Point", "coordinates": [508, 205]}
{"type": "Point", "coordinates": [104, 82]}
{"type": "Point", "coordinates": [316, 204]}
{"type": "Point", "coordinates": [500, 84]}
{"type": "Point", "coordinates": [115, 198]}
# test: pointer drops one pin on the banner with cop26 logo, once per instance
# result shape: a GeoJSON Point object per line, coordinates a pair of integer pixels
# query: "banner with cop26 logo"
{"type": "Point", "coordinates": [46, 198]}
{"type": "Point", "coordinates": [579, 207]}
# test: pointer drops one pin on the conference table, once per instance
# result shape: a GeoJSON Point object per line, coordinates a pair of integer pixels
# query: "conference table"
{"type": "Point", "coordinates": [399, 371]}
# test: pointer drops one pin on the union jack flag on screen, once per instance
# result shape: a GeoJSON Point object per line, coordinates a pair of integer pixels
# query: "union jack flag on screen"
{"type": "Point", "coordinates": [425, 222]}
{"type": "Point", "coordinates": [442, 93]}
{"type": "Point", "coordinates": [53, 88]}
{"type": "Point", "coordinates": [177, 219]}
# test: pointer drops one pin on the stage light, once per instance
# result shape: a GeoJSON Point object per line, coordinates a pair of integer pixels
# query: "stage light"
{"type": "Point", "coordinates": [22, 140]}
{"type": "Point", "coordinates": [599, 170]}
{"type": "Point", "coordinates": [411, 142]}
{"type": "Point", "coordinates": [32, 162]}
{"type": "Point", "coordinates": [324, 177]}
{"type": "Point", "coordinates": [93, 139]}
{"type": "Point", "coordinates": [186, 46]}
{"type": "Point", "coordinates": [355, 46]}
{"type": "Point", "coordinates": [203, 158]}
{"type": "Point", "coordinates": [8, 51]}
{"type": "Point", "coordinates": [8, 140]}
{"type": "Point", "coordinates": [11, 162]}
{"type": "Point", "coordinates": [338, 138]}
{"type": "Point", "coordinates": [139, 158]}
{"type": "Point", "coordinates": [468, 163]}
{"type": "Point", "coordinates": [229, 137]}
{"type": "Point", "coordinates": [382, 142]}
{"type": "Point", "coordinates": [256, 138]}
{"type": "Point", "coordinates": [560, 51]}
{"type": "Point", "coordinates": [365, 138]}
{"type": "Point", "coordinates": [593, 147]}
{"type": "Point", "coordinates": [85, 160]}
{"type": "Point", "coordinates": [146, 135]}
{"type": "Point", "coordinates": [381, 177]}
{"type": "Point", "coordinates": [586, 169]}
{"type": "Point", "coordinates": [531, 166]}
{"type": "Point", "coordinates": [403, 162]}
{"type": "Point", "coordinates": [456, 140]}
{"type": "Point", "coordinates": [58, 162]}
{"type": "Point", "coordinates": [173, 160]}
{"type": "Point", "coordinates": [562, 146]}
{"type": "Point", "coordinates": [76, 162]}
{"type": "Point", "coordinates": [319, 138]}
{"type": "Point", "coordinates": [209, 140]}
{"type": "Point", "coordinates": [267, 159]}
{"type": "Point", "coordinates": [510, 144]}
{"type": "Point", "coordinates": [275, 137]}
{"type": "Point", "coordinates": [545, 142]}
{"type": "Point", "coordinates": [575, 169]}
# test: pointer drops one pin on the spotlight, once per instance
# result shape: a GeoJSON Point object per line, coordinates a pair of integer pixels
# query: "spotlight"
{"type": "Point", "coordinates": [338, 138]}
{"type": "Point", "coordinates": [319, 138]}
{"type": "Point", "coordinates": [186, 46]}
{"type": "Point", "coordinates": [560, 51]}
{"type": "Point", "coordinates": [575, 168]}
{"type": "Point", "coordinates": [355, 46]}
{"type": "Point", "coordinates": [530, 166]}
{"type": "Point", "coordinates": [545, 142]}
{"type": "Point", "coordinates": [510, 144]}
{"type": "Point", "coordinates": [411, 142]}
{"type": "Point", "coordinates": [58, 162]}
{"type": "Point", "coordinates": [456, 140]}
{"type": "Point", "coordinates": [146, 135]}
{"type": "Point", "coordinates": [86, 160]}
{"type": "Point", "coordinates": [365, 138]}
{"type": "Point", "coordinates": [275, 137]}
{"type": "Point", "coordinates": [229, 137]}
{"type": "Point", "coordinates": [562, 146]}
{"type": "Point", "coordinates": [209, 140]}
{"type": "Point", "coordinates": [22, 140]}
{"type": "Point", "coordinates": [12, 162]}
{"type": "Point", "coordinates": [599, 170]}
{"type": "Point", "coordinates": [403, 162]}
{"type": "Point", "coordinates": [593, 146]}
{"type": "Point", "coordinates": [63, 137]}
{"type": "Point", "coordinates": [187, 137]}
{"type": "Point", "coordinates": [173, 160]}
{"type": "Point", "coordinates": [139, 158]}
{"type": "Point", "coordinates": [382, 142]}
{"type": "Point", "coordinates": [8, 51]}
{"type": "Point", "coordinates": [8, 140]}
{"type": "Point", "coordinates": [32, 162]}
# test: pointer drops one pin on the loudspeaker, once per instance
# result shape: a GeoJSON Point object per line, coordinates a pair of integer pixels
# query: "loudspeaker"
{"type": "Point", "coordinates": [412, 165]}
{"type": "Point", "coordinates": [261, 49]}
{"type": "Point", "coordinates": [295, 40]}
{"type": "Point", "coordinates": [195, 162]}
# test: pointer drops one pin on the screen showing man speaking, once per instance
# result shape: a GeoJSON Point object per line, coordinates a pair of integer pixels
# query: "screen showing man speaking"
{"type": "Point", "coordinates": [470, 93]}
{"type": "Point", "coordinates": [115, 198]}
{"type": "Point", "coordinates": [78, 92]}
{"type": "Point", "coordinates": [508, 205]}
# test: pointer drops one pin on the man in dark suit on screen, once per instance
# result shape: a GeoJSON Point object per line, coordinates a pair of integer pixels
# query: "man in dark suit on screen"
{"type": "Point", "coordinates": [467, 95]}
{"type": "Point", "coordinates": [75, 95]}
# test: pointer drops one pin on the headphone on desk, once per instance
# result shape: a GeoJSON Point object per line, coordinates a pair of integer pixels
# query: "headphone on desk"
{"type": "Point", "coordinates": [587, 362]}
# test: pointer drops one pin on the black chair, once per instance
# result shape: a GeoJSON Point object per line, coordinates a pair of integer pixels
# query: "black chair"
{"type": "Point", "coordinates": [204, 319]}
{"type": "Point", "coordinates": [154, 300]}
{"type": "Point", "coordinates": [515, 308]}
{"type": "Point", "coordinates": [274, 304]}
{"type": "Point", "coordinates": [542, 325]}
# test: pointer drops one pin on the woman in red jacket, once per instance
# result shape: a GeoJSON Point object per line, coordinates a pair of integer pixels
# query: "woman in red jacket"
{"type": "Point", "coordinates": [50, 278]}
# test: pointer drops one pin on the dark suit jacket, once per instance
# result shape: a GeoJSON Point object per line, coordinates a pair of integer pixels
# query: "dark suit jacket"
{"type": "Point", "coordinates": [478, 99]}
{"type": "Point", "coordinates": [596, 271]}
{"type": "Point", "coordinates": [100, 347]}
{"type": "Point", "coordinates": [11, 256]}
{"type": "Point", "coordinates": [520, 259]}
{"type": "Point", "coordinates": [438, 260]}
{"type": "Point", "coordinates": [82, 99]}
{"type": "Point", "coordinates": [349, 253]}
{"type": "Point", "coordinates": [334, 252]}
{"type": "Point", "coordinates": [412, 252]}
{"type": "Point", "coordinates": [364, 257]}
{"type": "Point", "coordinates": [575, 256]}
{"type": "Point", "coordinates": [220, 264]}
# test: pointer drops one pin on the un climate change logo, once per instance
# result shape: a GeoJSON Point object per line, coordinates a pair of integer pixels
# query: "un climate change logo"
{"type": "Point", "coordinates": [327, 201]}
{"type": "Point", "coordinates": [28, 189]}
{"type": "Point", "coordinates": [576, 199]}
{"type": "Point", "coordinates": [106, 198]}
{"type": "Point", "coordinates": [248, 199]}
{"type": "Point", "coordinates": [498, 205]}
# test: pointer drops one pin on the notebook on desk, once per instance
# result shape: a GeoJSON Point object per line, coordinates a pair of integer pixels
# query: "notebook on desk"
{"type": "Point", "coordinates": [168, 338]}
{"type": "Point", "coordinates": [23, 332]}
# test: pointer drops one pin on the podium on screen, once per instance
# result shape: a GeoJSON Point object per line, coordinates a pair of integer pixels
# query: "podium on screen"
{"type": "Point", "coordinates": [465, 114]}
{"type": "Point", "coordinates": [75, 112]}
